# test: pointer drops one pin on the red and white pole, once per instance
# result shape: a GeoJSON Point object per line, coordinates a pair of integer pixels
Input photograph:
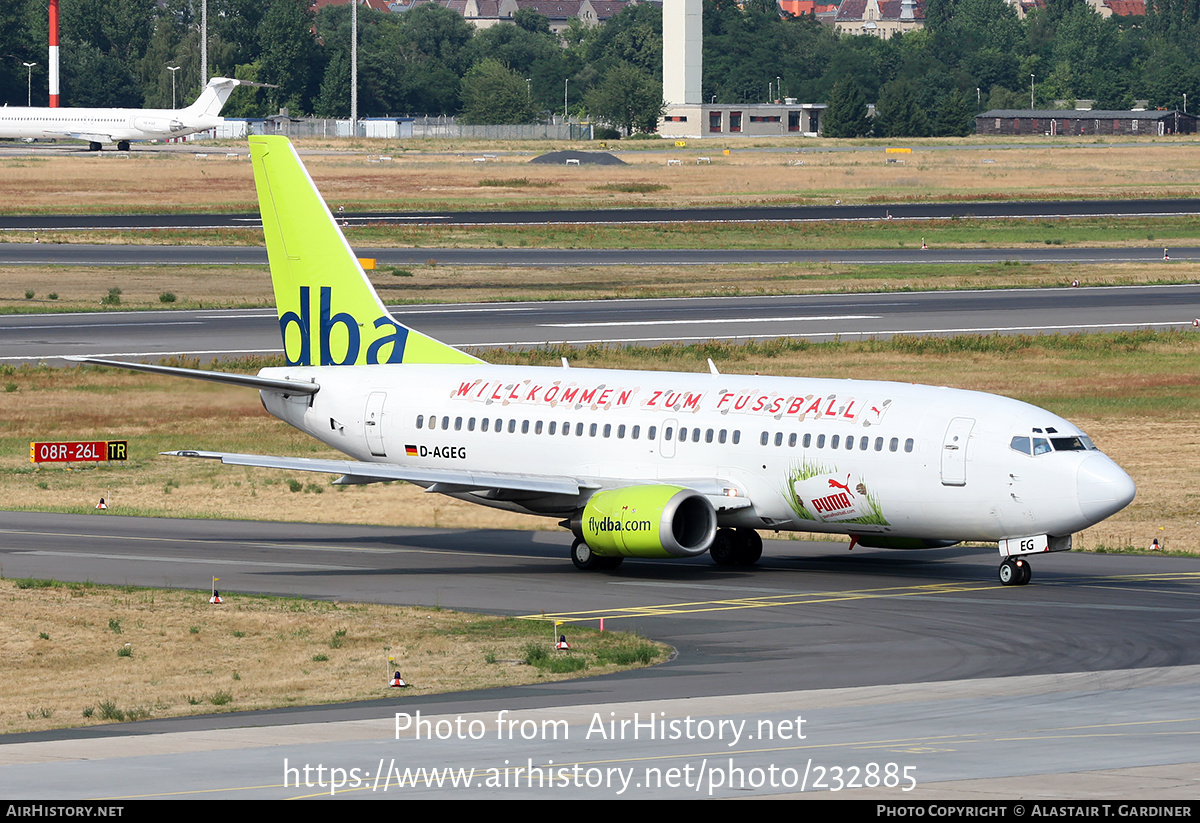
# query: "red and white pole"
{"type": "Point", "coordinates": [53, 54]}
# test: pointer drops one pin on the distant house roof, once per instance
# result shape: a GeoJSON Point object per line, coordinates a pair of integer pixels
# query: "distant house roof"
{"type": "Point", "coordinates": [888, 9]}
{"type": "Point", "coordinates": [799, 7]}
{"type": "Point", "coordinates": [1127, 8]}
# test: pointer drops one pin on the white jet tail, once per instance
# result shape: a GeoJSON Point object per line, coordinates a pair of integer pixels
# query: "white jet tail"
{"type": "Point", "coordinates": [212, 99]}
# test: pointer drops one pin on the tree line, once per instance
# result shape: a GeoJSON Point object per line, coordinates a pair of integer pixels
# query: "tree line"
{"type": "Point", "coordinates": [972, 55]}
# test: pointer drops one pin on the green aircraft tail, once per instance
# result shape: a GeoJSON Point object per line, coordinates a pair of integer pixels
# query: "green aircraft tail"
{"type": "Point", "coordinates": [329, 314]}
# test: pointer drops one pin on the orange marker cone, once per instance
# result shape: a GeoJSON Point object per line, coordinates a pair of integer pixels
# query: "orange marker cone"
{"type": "Point", "coordinates": [102, 505]}
{"type": "Point", "coordinates": [398, 681]}
{"type": "Point", "coordinates": [562, 644]}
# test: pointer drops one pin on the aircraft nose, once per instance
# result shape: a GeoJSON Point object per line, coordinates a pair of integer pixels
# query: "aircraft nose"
{"type": "Point", "coordinates": [1104, 488]}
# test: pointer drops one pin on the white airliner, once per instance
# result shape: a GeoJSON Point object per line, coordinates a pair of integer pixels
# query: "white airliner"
{"type": "Point", "coordinates": [119, 126]}
{"type": "Point", "coordinates": [649, 464]}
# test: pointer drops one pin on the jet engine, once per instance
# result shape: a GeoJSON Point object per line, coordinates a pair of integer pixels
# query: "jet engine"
{"type": "Point", "coordinates": [158, 125]}
{"type": "Point", "coordinates": [647, 521]}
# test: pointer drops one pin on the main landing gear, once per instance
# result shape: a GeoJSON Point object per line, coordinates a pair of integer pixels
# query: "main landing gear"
{"type": "Point", "coordinates": [587, 560]}
{"type": "Point", "coordinates": [1015, 571]}
{"type": "Point", "coordinates": [742, 547]}
{"type": "Point", "coordinates": [122, 145]}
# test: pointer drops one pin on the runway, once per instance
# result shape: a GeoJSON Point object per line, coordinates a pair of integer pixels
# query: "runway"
{"type": "Point", "coordinates": [231, 333]}
{"type": "Point", "coordinates": [1081, 684]}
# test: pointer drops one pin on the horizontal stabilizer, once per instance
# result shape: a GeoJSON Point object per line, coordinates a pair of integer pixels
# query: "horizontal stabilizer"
{"type": "Point", "coordinates": [248, 380]}
{"type": "Point", "coordinates": [356, 471]}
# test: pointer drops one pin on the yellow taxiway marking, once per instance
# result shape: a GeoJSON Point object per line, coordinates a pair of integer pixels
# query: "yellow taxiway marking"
{"type": "Point", "coordinates": [815, 598]}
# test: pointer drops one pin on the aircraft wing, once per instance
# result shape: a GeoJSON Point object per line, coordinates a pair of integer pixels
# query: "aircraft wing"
{"type": "Point", "coordinates": [438, 480]}
{"type": "Point", "coordinates": [91, 137]}
{"type": "Point", "coordinates": [247, 380]}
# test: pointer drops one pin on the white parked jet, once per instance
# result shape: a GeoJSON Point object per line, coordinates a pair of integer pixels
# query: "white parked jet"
{"type": "Point", "coordinates": [649, 464]}
{"type": "Point", "coordinates": [119, 126]}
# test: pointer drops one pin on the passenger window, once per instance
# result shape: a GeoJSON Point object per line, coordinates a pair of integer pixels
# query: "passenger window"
{"type": "Point", "coordinates": [721, 436]}
{"type": "Point", "coordinates": [835, 441]}
{"type": "Point", "coordinates": [537, 427]}
{"type": "Point", "coordinates": [651, 432]}
{"type": "Point", "coordinates": [667, 432]}
{"type": "Point", "coordinates": [458, 424]}
{"type": "Point", "coordinates": [737, 436]}
{"type": "Point", "coordinates": [579, 430]}
{"type": "Point", "coordinates": [636, 431]}
{"type": "Point", "coordinates": [553, 427]}
{"type": "Point", "coordinates": [878, 444]}
{"type": "Point", "coordinates": [471, 425]}
{"type": "Point", "coordinates": [483, 424]}
{"type": "Point", "coordinates": [608, 430]}
{"type": "Point", "coordinates": [592, 430]}
{"type": "Point", "coordinates": [445, 423]}
{"type": "Point", "coordinates": [695, 435]}
{"type": "Point", "coordinates": [512, 425]}
{"type": "Point", "coordinates": [764, 438]}
{"type": "Point", "coordinates": [807, 440]}
{"type": "Point", "coordinates": [778, 438]}
{"type": "Point", "coordinates": [893, 444]}
{"type": "Point", "coordinates": [524, 427]}
{"type": "Point", "coordinates": [908, 445]}
{"type": "Point", "coordinates": [621, 432]}
{"type": "Point", "coordinates": [420, 420]}
{"type": "Point", "coordinates": [864, 443]}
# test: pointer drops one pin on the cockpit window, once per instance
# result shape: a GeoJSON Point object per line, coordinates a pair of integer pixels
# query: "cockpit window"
{"type": "Point", "coordinates": [1044, 445]}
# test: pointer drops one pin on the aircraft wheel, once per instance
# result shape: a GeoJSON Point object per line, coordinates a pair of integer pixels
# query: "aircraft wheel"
{"type": "Point", "coordinates": [751, 547]}
{"type": "Point", "coordinates": [1010, 572]}
{"type": "Point", "coordinates": [123, 145]}
{"type": "Point", "coordinates": [583, 557]}
{"type": "Point", "coordinates": [1026, 572]}
{"type": "Point", "coordinates": [726, 548]}
{"type": "Point", "coordinates": [93, 146]}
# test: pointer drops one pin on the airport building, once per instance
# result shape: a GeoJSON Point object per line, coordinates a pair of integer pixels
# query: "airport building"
{"type": "Point", "coordinates": [686, 115]}
{"type": "Point", "coordinates": [1050, 122]}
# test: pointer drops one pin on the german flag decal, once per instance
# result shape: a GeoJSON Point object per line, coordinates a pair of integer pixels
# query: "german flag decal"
{"type": "Point", "coordinates": [411, 451]}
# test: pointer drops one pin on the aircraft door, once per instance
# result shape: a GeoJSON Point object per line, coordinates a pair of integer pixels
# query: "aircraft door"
{"type": "Point", "coordinates": [954, 451]}
{"type": "Point", "coordinates": [373, 423]}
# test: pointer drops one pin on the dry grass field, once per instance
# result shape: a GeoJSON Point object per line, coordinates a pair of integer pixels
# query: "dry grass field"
{"type": "Point", "coordinates": [433, 175]}
{"type": "Point", "coordinates": [77, 654]}
{"type": "Point", "coordinates": [191, 287]}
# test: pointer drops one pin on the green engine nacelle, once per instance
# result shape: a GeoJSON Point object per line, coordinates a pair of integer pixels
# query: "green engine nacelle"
{"type": "Point", "coordinates": [648, 521]}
